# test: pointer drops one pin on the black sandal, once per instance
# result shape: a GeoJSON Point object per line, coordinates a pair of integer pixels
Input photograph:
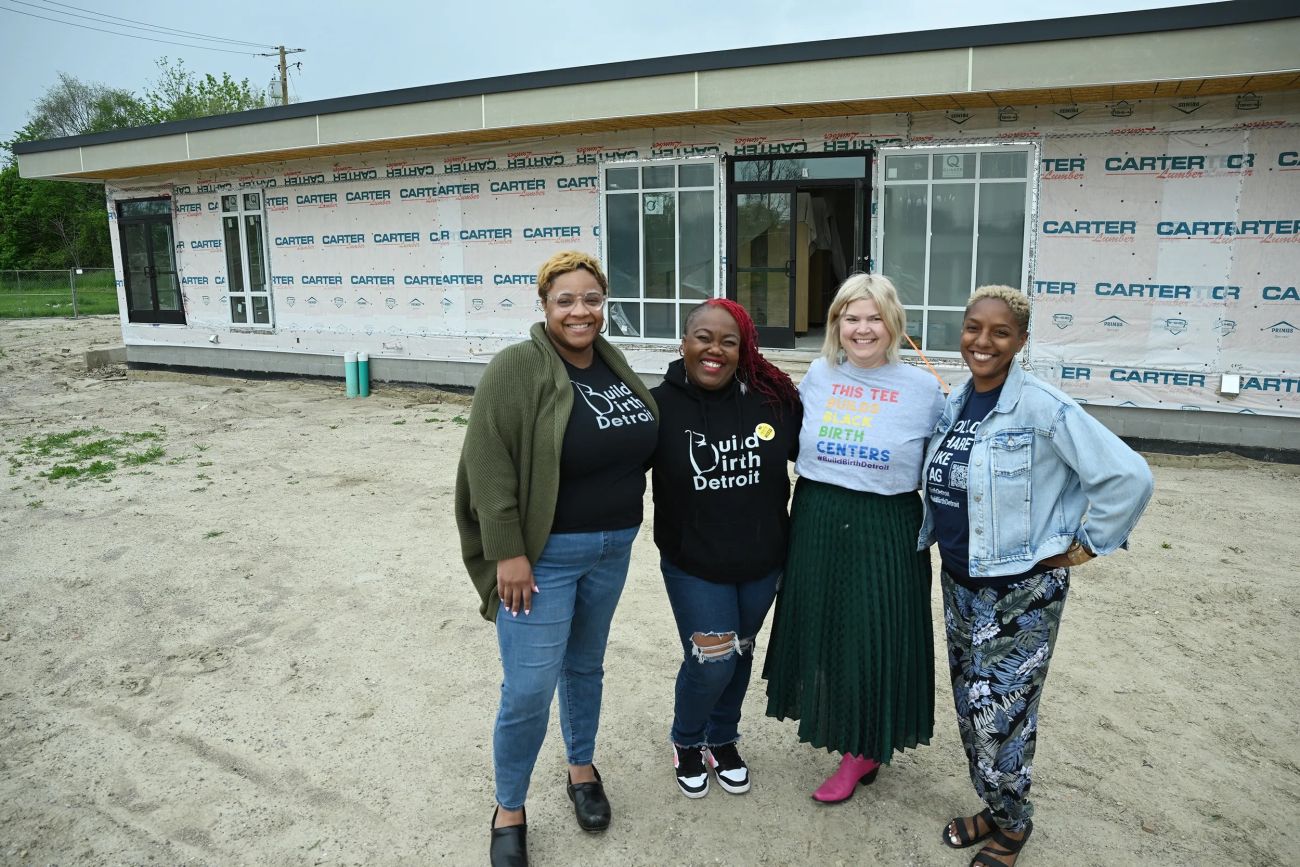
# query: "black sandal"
{"type": "Point", "coordinates": [1007, 847]}
{"type": "Point", "coordinates": [964, 837]}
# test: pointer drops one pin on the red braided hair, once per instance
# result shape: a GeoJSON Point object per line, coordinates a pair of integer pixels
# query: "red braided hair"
{"type": "Point", "coordinates": [753, 369]}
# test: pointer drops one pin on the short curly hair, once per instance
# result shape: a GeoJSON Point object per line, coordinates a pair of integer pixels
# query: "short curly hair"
{"type": "Point", "coordinates": [562, 263]}
{"type": "Point", "coordinates": [1012, 297]}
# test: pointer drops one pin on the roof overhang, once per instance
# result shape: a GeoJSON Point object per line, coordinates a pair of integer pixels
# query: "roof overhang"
{"type": "Point", "coordinates": [1198, 51]}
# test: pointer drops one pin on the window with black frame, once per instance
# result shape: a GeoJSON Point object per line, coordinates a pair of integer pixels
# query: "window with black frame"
{"type": "Point", "coordinates": [153, 292]}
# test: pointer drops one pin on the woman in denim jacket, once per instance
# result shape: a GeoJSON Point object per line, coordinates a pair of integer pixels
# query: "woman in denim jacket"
{"type": "Point", "coordinates": [1020, 484]}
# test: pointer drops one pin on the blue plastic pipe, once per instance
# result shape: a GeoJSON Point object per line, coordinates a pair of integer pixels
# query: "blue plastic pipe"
{"type": "Point", "coordinates": [363, 374]}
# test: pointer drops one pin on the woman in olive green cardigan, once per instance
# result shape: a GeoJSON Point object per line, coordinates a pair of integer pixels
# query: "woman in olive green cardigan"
{"type": "Point", "coordinates": [548, 501]}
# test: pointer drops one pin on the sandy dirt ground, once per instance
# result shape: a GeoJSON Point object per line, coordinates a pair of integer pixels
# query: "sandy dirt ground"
{"type": "Point", "coordinates": [259, 647]}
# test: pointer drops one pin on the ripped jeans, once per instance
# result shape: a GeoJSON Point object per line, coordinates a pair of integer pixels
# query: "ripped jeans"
{"type": "Point", "coordinates": [712, 680]}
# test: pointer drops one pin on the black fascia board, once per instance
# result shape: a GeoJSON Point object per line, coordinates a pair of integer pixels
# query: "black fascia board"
{"type": "Point", "coordinates": [980, 36]}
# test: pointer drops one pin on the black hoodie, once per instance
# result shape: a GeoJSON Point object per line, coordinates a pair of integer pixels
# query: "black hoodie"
{"type": "Point", "coordinates": [721, 484]}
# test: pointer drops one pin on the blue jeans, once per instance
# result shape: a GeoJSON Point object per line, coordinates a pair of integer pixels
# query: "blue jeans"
{"type": "Point", "coordinates": [580, 577]}
{"type": "Point", "coordinates": [711, 685]}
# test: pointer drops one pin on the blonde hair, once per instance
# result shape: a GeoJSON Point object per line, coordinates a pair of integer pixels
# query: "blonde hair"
{"type": "Point", "coordinates": [872, 287]}
{"type": "Point", "coordinates": [1012, 297]}
{"type": "Point", "coordinates": [562, 263]}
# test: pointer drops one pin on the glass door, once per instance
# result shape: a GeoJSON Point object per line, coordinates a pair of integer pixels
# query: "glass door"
{"type": "Point", "coordinates": [762, 262]}
{"type": "Point", "coordinates": [796, 228]}
{"type": "Point", "coordinates": [153, 292]}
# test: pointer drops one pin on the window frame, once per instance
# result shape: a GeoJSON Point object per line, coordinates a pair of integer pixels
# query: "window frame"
{"type": "Point", "coordinates": [879, 185]}
{"type": "Point", "coordinates": [247, 293]}
{"type": "Point", "coordinates": [677, 302]}
{"type": "Point", "coordinates": [154, 314]}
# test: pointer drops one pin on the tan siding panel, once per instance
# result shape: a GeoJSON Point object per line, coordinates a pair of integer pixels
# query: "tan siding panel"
{"type": "Point", "coordinates": [834, 80]}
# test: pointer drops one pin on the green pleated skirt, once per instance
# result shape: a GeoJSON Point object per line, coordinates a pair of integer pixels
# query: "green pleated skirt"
{"type": "Point", "coordinates": [851, 655]}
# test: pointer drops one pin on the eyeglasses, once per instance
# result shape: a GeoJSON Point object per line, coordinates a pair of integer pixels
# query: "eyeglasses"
{"type": "Point", "coordinates": [592, 301]}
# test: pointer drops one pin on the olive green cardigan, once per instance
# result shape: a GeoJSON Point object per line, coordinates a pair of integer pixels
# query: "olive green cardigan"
{"type": "Point", "coordinates": [509, 473]}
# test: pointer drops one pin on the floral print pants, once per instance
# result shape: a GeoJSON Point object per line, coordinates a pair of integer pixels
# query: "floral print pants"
{"type": "Point", "coordinates": [999, 645]}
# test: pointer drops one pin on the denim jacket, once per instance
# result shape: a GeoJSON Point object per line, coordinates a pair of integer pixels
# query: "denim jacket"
{"type": "Point", "coordinates": [1043, 473]}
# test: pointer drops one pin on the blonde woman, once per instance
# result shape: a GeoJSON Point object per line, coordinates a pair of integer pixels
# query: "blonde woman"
{"type": "Point", "coordinates": [851, 654]}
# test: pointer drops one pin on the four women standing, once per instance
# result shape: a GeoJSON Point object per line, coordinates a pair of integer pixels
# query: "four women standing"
{"type": "Point", "coordinates": [1020, 484]}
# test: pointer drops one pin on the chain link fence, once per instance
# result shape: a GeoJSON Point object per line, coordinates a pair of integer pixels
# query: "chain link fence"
{"type": "Point", "coordinates": [72, 292]}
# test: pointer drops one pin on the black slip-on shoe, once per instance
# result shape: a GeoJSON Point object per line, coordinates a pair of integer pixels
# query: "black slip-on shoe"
{"type": "Point", "coordinates": [590, 804]}
{"type": "Point", "coordinates": [509, 845]}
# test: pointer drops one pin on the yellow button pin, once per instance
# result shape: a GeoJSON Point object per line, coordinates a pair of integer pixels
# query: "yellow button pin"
{"type": "Point", "coordinates": [764, 431]}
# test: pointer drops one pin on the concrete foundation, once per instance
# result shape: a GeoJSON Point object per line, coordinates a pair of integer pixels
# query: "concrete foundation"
{"type": "Point", "coordinates": [97, 358]}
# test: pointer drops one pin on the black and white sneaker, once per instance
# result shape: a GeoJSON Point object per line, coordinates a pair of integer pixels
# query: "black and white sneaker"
{"type": "Point", "coordinates": [733, 773]}
{"type": "Point", "coordinates": [692, 776]}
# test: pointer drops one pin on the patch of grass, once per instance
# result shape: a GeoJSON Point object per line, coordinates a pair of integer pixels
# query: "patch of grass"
{"type": "Point", "coordinates": [54, 442]}
{"type": "Point", "coordinates": [334, 427]}
{"type": "Point", "coordinates": [204, 463]}
{"type": "Point", "coordinates": [203, 477]}
{"type": "Point", "coordinates": [95, 449]}
{"type": "Point", "coordinates": [100, 468]}
{"type": "Point", "coordinates": [148, 456]}
{"type": "Point", "coordinates": [202, 448]}
{"type": "Point", "coordinates": [35, 504]}
{"type": "Point", "coordinates": [460, 419]}
{"type": "Point", "coordinates": [400, 421]}
{"type": "Point", "coordinates": [212, 534]}
{"type": "Point", "coordinates": [85, 454]}
{"type": "Point", "coordinates": [431, 418]}
{"type": "Point", "coordinates": [35, 293]}
{"type": "Point", "coordinates": [1166, 545]}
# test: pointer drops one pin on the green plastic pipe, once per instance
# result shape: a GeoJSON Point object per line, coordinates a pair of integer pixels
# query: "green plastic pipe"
{"type": "Point", "coordinates": [350, 372]}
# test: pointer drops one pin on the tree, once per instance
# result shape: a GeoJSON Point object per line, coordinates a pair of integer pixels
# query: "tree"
{"type": "Point", "coordinates": [55, 224]}
{"type": "Point", "coordinates": [180, 93]}
{"type": "Point", "coordinates": [75, 107]}
{"type": "Point", "coordinates": [51, 224]}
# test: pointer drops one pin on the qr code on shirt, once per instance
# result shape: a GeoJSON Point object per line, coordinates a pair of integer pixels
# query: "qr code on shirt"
{"type": "Point", "coordinates": [957, 478]}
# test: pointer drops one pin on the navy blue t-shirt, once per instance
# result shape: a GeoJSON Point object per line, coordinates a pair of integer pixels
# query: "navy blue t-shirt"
{"type": "Point", "coordinates": [947, 480]}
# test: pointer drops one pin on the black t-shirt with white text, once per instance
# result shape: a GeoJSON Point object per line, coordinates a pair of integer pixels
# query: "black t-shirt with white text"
{"type": "Point", "coordinates": [607, 443]}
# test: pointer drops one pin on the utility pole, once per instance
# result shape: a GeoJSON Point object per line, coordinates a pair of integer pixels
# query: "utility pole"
{"type": "Point", "coordinates": [284, 70]}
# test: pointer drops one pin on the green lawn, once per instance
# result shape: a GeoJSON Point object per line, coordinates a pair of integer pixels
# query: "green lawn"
{"type": "Point", "coordinates": [25, 294]}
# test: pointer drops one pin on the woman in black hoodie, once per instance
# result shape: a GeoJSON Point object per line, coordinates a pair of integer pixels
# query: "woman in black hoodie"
{"type": "Point", "coordinates": [729, 423]}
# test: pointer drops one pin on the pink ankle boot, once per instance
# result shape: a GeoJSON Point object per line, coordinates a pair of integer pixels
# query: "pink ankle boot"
{"type": "Point", "coordinates": [841, 785]}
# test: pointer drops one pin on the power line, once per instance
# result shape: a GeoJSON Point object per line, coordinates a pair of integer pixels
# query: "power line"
{"type": "Point", "coordinates": [143, 24]}
{"type": "Point", "coordinates": [128, 35]}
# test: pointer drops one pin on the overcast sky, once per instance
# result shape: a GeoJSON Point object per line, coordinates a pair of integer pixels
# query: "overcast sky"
{"type": "Point", "coordinates": [388, 44]}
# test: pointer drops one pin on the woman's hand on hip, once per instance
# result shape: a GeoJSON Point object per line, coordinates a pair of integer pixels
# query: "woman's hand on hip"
{"type": "Point", "coordinates": [1075, 555]}
{"type": "Point", "coordinates": [515, 584]}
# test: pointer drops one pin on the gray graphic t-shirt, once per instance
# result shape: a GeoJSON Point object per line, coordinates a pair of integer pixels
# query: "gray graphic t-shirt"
{"type": "Point", "coordinates": [867, 429]}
